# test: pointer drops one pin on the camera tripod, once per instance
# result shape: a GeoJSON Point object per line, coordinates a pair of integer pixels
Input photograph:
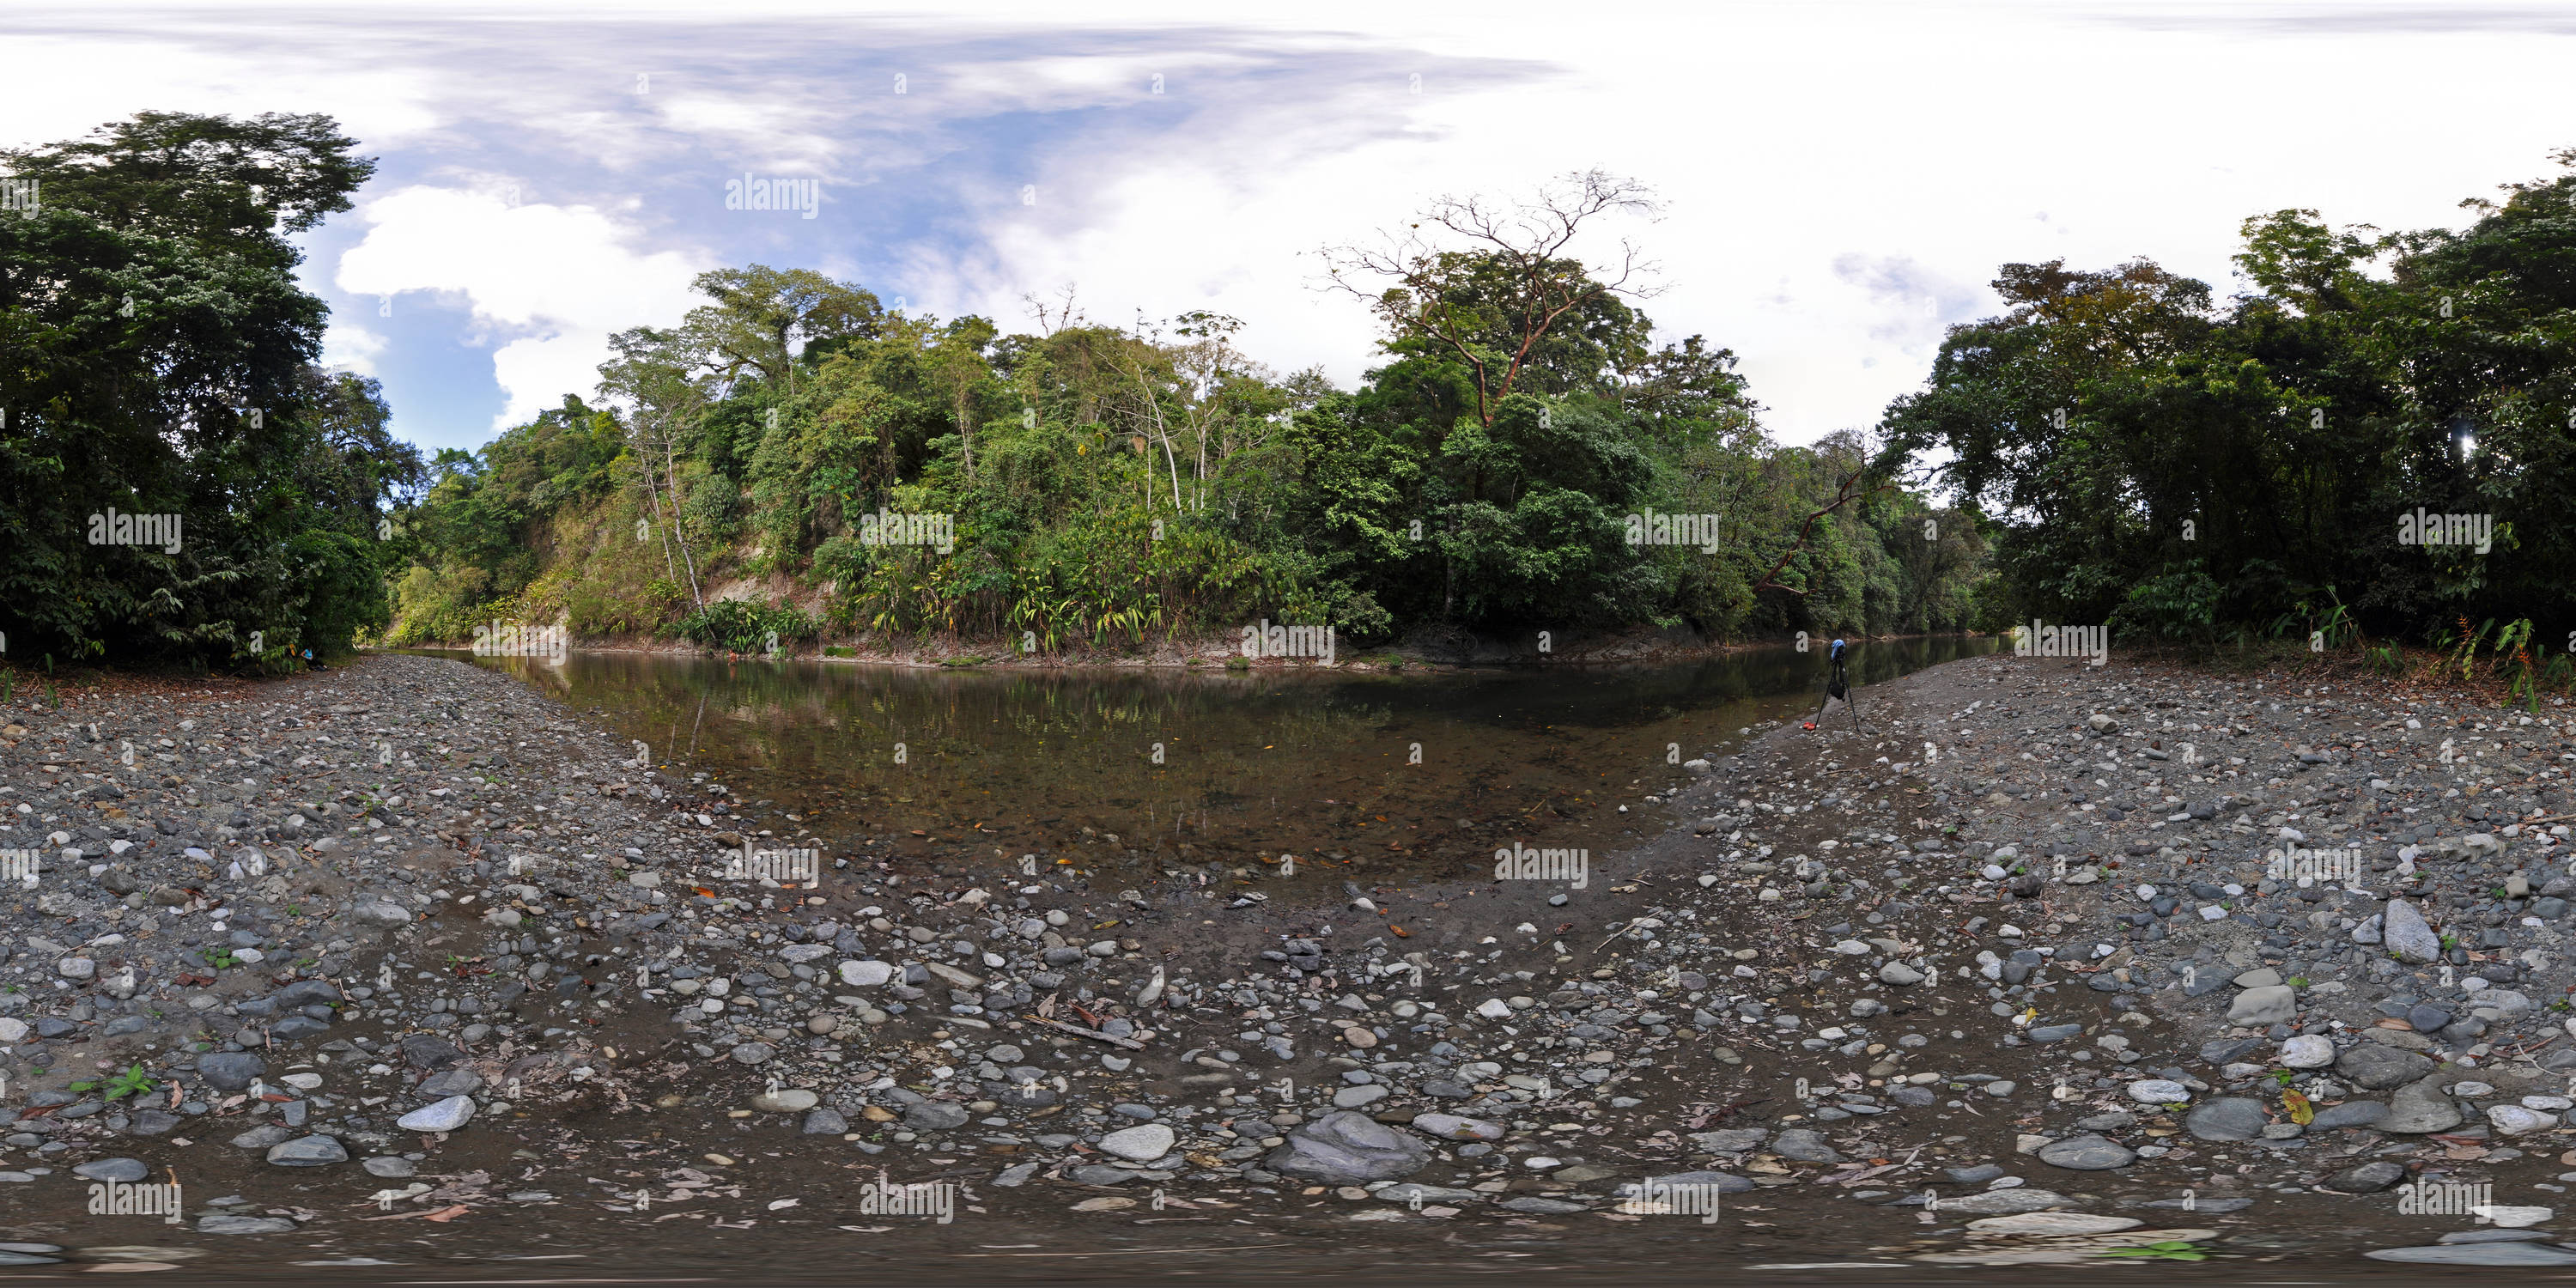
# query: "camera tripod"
{"type": "Point", "coordinates": [1838, 685]}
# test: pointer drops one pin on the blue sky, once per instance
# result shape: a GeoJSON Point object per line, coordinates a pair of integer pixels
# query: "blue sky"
{"type": "Point", "coordinates": [1840, 180]}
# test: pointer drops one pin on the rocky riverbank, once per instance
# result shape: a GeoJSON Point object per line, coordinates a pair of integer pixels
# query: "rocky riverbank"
{"type": "Point", "coordinates": [2014, 975]}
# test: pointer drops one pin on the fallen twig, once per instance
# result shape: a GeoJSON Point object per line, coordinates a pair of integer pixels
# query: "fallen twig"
{"type": "Point", "coordinates": [1079, 1031]}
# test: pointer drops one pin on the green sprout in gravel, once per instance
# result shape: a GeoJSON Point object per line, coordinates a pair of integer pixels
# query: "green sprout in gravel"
{"type": "Point", "coordinates": [2167, 1250]}
{"type": "Point", "coordinates": [132, 1082]}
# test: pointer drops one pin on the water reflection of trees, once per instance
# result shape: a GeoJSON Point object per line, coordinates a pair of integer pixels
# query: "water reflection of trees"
{"type": "Point", "coordinates": [1018, 760]}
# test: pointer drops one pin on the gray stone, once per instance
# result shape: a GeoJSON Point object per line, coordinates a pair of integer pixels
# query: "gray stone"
{"type": "Point", "coordinates": [934, 1115]}
{"type": "Point", "coordinates": [113, 1169]}
{"type": "Point", "coordinates": [2256, 1007]}
{"type": "Point", "coordinates": [453, 1082]}
{"type": "Point", "coordinates": [2408, 936]}
{"type": "Point", "coordinates": [2086, 1154]}
{"type": "Point", "coordinates": [1536, 1206]}
{"type": "Point", "coordinates": [427, 1051]}
{"type": "Point", "coordinates": [1801, 1145]}
{"type": "Point", "coordinates": [2156, 1091]}
{"type": "Point", "coordinates": [1732, 1140]}
{"type": "Point", "coordinates": [1344, 1148]}
{"type": "Point", "coordinates": [1725, 1183]}
{"type": "Point", "coordinates": [2228, 1119]}
{"type": "Point", "coordinates": [1453, 1127]}
{"type": "Point", "coordinates": [2227, 1050]}
{"type": "Point", "coordinates": [263, 1136]}
{"type": "Point", "coordinates": [225, 1223]}
{"type": "Point", "coordinates": [2044, 1224]}
{"type": "Point", "coordinates": [307, 1151]}
{"type": "Point", "coordinates": [2369, 1178]}
{"type": "Point", "coordinates": [389, 1166]}
{"type": "Point", "coordinates": [445, 1115]}
{"type": "Point", "coordinates": [381, 912]}
{"type": "Point", "coordinates": [1139, 1144]}
{"type": "Point", "coordinates": [826, 1122]}
{"type": "Point", "coordinates": [1409, 1191]}
{"type": "Point", "coordinates": [2351, 1113]}
{"type": "Point", "coordinates": [230, 1070]}
{"type": "Point", "coordinates": [2004, 1202]}
{"type": "Point", "coordinates": [2053, 1032]}
{"type": "Point", "coordinates": [2199, 1204]}
{"type": "Point", "coordinates": [1900, 974]}
{"type": "Point", "coordinates": [866, 974]}
{"type": "Point", "coordinates": [2478, 1254]}
{"type": "Point", "coordinates": [2420, 1107]}
{"type": "Point", "coordinates": [2379, 1067]}
{"type": "Point", "coordinates": [786, 1100]}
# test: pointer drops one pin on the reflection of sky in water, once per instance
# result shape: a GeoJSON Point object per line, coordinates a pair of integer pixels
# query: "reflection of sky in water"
{"type": "Point", "coordinates": [997, 764]}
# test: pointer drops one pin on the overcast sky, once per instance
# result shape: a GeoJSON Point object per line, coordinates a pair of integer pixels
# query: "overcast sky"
{"type": "Point", "coordinates": [1840, 180]}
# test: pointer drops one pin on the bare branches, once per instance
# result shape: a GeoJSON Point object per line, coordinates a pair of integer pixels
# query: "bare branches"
{"type": "Point", "coordinates": [1489, 280]}
{"type": "Point", "coordinates": [1056, 317]}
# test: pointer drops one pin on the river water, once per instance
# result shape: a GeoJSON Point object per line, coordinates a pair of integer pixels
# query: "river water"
{"type": "Point", "coordinates": [1378, 778]}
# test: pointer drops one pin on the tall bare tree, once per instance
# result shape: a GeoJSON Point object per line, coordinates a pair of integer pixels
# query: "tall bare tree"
{"type": "Point", "coordinates": [1487, 280]}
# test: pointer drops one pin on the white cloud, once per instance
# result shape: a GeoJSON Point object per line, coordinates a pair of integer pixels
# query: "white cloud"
{"type": "Point", "coordinates": [349, 347]}
{"type": "Point", "coordinates": [1841, 178]}
{"type": "Point", "coordinates": [548, 283]}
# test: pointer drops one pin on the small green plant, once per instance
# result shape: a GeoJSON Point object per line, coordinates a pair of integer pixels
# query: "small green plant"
{"type": "Point", "coordinates": [2450, 942]}
{"type": "Point", "coordinates": [132, 1082]}
{"type": "Point", "coordinates": [2298, 981]}
{"type": "Point", "coordinates": [1238, 663]}
{"type": "Point", "coordinates": [222, 959]}
{"type": "Point", "coordinates": [2166, 1250]}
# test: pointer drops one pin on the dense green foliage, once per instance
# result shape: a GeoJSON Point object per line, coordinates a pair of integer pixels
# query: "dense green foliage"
{"type": "Point", "coordinates": [2179, 466]}
{"type": "Point", "coordinates": [157, 359]}
{"type": "Point", "coordinates": [1107, 487]}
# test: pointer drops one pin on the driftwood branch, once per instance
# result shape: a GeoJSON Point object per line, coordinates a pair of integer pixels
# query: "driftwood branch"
{"type": "Point", "coordinates": [1079, 1031]}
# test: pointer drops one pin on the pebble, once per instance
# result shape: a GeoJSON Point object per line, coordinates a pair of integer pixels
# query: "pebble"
{"type": "Point", "coordinates": [2087, 1154]}
{"type": "Point", "coordinates": [1139, 1144]}
{"type": "Point", "coordinates": [445, 1115]}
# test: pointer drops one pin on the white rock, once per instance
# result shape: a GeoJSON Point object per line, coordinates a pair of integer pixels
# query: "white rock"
{"type": "Point", "coordinates": [2158, 1091]}
{"type": "Point", "coordinates": [1139, 1144]}
{"type": "Point", "coordinates": [2513, 1218]}
{"type": "Point", "coordinates": [866, 974]}
{"type": "Point", "coordinates": [2052, 1223]}
{"type": "Point", "coordinates": [2308, 1051]}
{"type": "Point", "coordinates": [446, 1115]}
{"type": "Point", "coordinates": [2514, 1120]}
